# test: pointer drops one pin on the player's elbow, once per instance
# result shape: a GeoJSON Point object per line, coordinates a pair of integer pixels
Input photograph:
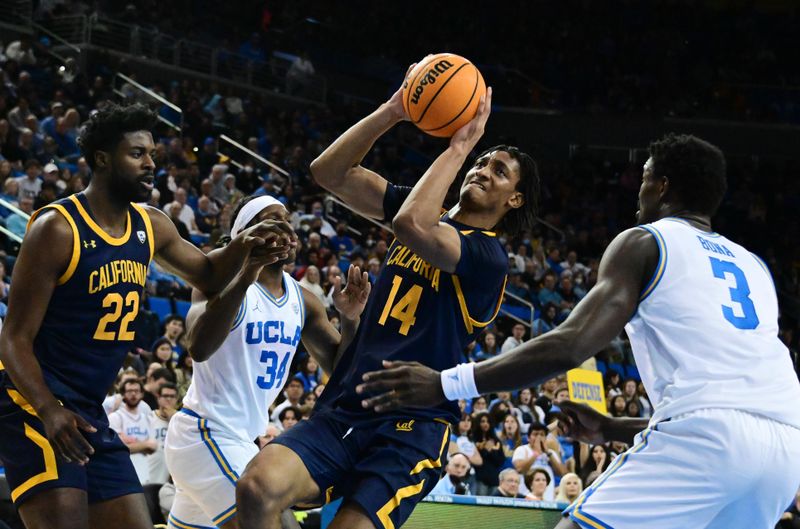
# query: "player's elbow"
{"type": "Point", "coordinates": [406, 228]}
{"type": "Point", "coordinates": [325, 175]}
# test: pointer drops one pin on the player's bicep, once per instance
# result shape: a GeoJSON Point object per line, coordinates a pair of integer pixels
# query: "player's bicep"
{"type": "Point", "coordinates": [363, 191]}
{"type": "Point", "coordinates": [175, 254]}
{"type": "Point", "coordinates": [603, 313]}
{"type": "Point", "coordinates": [439, 246]}
{"type": "Point", "coordinates": [197, 308]}
{"type": "Point", "coordinates": [319, 335]}
{"type": "Point", "coordinates": [47, 254]}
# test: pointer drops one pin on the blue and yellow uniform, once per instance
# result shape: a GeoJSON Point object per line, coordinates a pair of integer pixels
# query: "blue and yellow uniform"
{"type": "Point", "coordinates": [388, 462]}
{"type": "Point", "coordinates": [84, 337]}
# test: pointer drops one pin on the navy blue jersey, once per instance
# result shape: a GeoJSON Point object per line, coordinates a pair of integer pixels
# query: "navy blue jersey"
{"type": "Point", "coordinates": [417, 312]}
{"type": "Point", "coordinates": [88, 327]}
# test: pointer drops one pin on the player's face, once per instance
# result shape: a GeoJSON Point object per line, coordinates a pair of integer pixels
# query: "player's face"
{"type": "Point", "coordinates": [276, 212]}
{"type": "Point", "coordinates": [491, 183]}
{"type": "Point", "coordinates": [132, 167]}
{"type": "Point", "coordinates": [650, 194]}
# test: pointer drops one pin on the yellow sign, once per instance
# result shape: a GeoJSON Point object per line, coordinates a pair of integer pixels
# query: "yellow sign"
{"type": "Point", "coordinates": [587, 387]}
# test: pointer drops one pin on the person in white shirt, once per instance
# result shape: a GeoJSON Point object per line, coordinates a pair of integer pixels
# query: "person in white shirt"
{"type": "Point", "coordinates": [167, 401]}
{"type": "Point", "coordinates": [455, 480]}
{"type": "Point", "coordinates": [535, 454]}
{"type": "Point", "coordinates": [242, 343]}
{"type": "Point", "coordinates": [516, 338]}
{"type": "Point", "coordinates": [182, 211]}
{"type": "Point", "coordinates": [132, 423]}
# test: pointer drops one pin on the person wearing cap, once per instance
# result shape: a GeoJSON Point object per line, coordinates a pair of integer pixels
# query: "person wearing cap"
{"type": "Point", "coordinates": [242, 342]}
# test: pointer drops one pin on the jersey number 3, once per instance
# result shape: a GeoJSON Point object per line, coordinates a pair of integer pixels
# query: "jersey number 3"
{"type": "Point", "coordinates": [405, 309]}
{"type": "Point", "coordinates": [739, 294]}
{"type": "Point", "coordinates": [114, 301]}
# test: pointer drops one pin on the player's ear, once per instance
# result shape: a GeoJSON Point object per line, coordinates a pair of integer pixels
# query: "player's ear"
{"type": "Point", "coordinates": [102, 159]}
{"type": "Point", "coordinates": [516, 200]}
{"type": "Point", "coordinates": [663, 183]}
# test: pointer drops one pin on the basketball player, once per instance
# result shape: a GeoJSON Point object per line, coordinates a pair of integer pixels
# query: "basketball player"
{"type": "Point", "coordinates": [243, 341]}
{"type": "Point", "coordinates": [77, 289]}
{"type": "Point", "coordinates": [441, 284]}
{"type": "Point", "coordinates": [722, 449]}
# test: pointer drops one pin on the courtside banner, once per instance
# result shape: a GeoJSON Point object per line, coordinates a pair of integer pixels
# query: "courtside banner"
{"type": "Point", "coordinates": [587, 387]}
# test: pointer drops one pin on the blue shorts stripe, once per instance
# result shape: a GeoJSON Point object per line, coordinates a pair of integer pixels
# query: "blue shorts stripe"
{"type": "Point", "coordinates": [216, 452]}
{"type": "Point", "coordinates": [225, 516]}
{"type": "Point", "coordinates": [189, 412]}
{"type": "Point", "coordinates": [586, 520]}
{"type": "Point", "coordinates": [175, 522]}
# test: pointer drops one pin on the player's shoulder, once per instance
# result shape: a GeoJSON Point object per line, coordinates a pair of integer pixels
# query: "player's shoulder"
{"type": "Point", "coordinates": [52, 222]}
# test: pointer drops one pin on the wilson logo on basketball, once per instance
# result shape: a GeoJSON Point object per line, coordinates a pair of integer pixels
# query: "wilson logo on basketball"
{"type": "Point", "coordinates": [430, 78]}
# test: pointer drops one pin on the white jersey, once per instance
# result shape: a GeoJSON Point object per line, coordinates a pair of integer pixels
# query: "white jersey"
{"type": "Point", "coordinates": [156, 463]}
{"type": "Point", "coordinates": [705, 334]}
{"type": "Point", "coordinates": [235, 387]}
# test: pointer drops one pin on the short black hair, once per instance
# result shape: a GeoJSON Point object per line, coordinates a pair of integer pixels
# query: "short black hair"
{"type": "Point", "coordinates": [695, 168]}
{"type": "Point", "coordinates": [163, 372]}
{"type": "Point", "coordinates": [105, 128]}
{"type": "Point", "coordinates": [297, 413]}
{"type": "Point", "coordinates": [522, 218]}
{"type": "Point", "coordinates": [167, 385]}
{"type": "Point", "coordinates": [537, 427]}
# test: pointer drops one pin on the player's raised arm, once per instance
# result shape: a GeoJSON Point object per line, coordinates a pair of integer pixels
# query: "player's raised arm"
{"type": "Point", "coordinates": [338, 169]}
{"type": "Point", "coordinates": [628, 263]}
{"type": "Point", "coordinates": [43, 259]}
{"type": "Point", "coordinates": [211, 273]}
{"type": "Point", "coordinates": [209, 321]}
{"type": "Point", "coordinates": [319, 336]}
{"type": "Point", "coordinates": [417, 223]}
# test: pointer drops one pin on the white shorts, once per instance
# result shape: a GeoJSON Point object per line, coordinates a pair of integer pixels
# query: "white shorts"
{"type": "Point", "coordinates": [708, 469]}
{"type": "Point", "coordinates": [205, 464]}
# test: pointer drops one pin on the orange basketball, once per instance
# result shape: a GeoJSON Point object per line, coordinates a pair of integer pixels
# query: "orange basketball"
{"type": "Point", "coordinates": [441, 94]}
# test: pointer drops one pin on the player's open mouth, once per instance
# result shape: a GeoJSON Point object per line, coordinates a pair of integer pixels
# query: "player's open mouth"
{"type": "Point", "coordinates": [147, 184]}
{"type": "Point", "coordinates": [477, 184]}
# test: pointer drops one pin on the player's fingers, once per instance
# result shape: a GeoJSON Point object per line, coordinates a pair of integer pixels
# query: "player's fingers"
{"type": "Point", "coordinates": [384, 402]}
{"type": "Point", "coordinates": [71, 448]}
{"type": "Point", "coordinates": [337, 285]}
{"type": "Point", "coordinates": [84, 425]}
{"type": "Point", "coordinates": [395, 363]}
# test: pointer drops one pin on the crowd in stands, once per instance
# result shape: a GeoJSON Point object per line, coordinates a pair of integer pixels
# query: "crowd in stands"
{"type": "Point", "coordinates": [627, 57]}
{"type": "Point", "coordinates": [506, 444]}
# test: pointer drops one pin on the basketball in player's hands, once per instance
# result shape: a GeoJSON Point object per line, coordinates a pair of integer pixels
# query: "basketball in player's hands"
{"type": "Point", "coordinates": [442, 92]}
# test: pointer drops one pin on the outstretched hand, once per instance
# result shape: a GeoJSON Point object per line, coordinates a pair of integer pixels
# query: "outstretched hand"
{"type": "Point", "coordinates": [351, 301]}
{"type": "Point", "coordinates": [395, 103]}
{"type": "Point", "coordinates": [400, 385]}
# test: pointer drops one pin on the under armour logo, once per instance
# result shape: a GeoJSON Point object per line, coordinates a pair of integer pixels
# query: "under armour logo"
{"type": "Point", "coordinates": [89, 244]}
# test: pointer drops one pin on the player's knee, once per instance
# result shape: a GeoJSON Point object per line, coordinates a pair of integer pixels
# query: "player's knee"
{"type": "Point", "coordinates": [255, 488]}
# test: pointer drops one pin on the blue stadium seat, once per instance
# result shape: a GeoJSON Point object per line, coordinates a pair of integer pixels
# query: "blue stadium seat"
{"type": "Point", "coordinates": [523, 313]}
{"type": "Point", "coordinates": [633, 373]}
{"type": "Point", "coordinates": [601, 366]}
{"type": "Point", "coordinates": [161, 306]}
{"type": "Point", "coordinates": [182, 307]}
{"type": "Point", "coordinates": [619, 368]}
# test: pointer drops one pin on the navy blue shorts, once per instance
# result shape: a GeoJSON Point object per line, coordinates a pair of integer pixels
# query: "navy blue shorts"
{"type": "Point", "coordinates": [385, 467]}
{"type": "Point", "coordinates": [32, 466]}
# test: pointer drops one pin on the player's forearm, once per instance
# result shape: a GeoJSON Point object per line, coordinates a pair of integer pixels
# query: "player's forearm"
{"type": "Point", "coordinates": [623, 429]}
{"type": "Point", "coordinates": [528, 364]}
{"type": "Point", "coordinates": [221, 267]}
{"type": "Point", "coordinates": [22, 366]}
{"type": "Point", "coordinates": [423, 207]}
{"type": "Point", "coordinates": [348, 332]}
{"type": "Point", "coordinates": [208, 332]}
{"type": "Point", "coordinates": [140, 447]}
{"type": "Point", "coordinates": [330, 168]}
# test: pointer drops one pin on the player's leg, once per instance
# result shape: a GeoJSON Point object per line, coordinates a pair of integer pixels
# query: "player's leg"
{"type": "Point", "coordinates": [566, 523]}
{"type": "Point", "coordinates": [399, 465]}
{"type": "Point", "coordinates": [298, 467]}
{"type": "Point", "coordinates": [351, 516]}
{"type": "Point", "coordinates": [129, 511]}
{"type": "Point", "coordinates": [205, 463]}
{"type": "Point", "coordinates": [60, 508]}
{"type": "Point", "coordinates": [276, 479]}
